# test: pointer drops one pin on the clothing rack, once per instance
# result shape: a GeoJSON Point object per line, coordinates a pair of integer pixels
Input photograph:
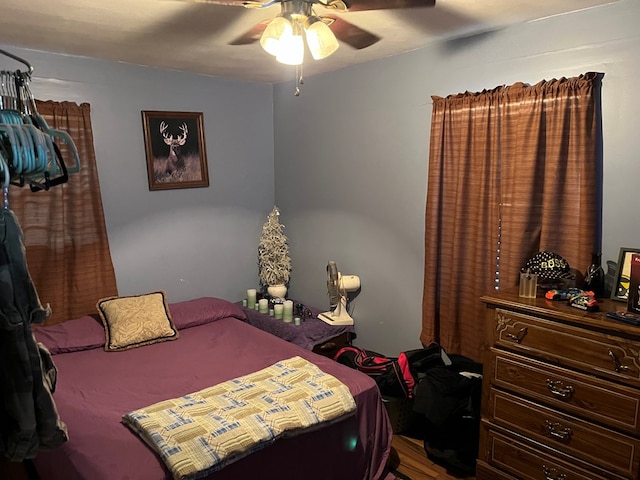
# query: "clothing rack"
{"type": "Point", "coordinates": [29, 154]}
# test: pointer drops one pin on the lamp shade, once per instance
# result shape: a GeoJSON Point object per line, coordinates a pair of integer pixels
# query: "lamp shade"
{"type": "Point", "coordinates": [320, 39]}
{"type": "Point", "coordinates": [291, 46]}
{"type": "Point", "coordinates": [277, 28]}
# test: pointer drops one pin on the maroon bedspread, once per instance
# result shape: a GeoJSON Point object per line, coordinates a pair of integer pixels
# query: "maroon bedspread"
{"type": "Point", "coordinates": [95, 388]}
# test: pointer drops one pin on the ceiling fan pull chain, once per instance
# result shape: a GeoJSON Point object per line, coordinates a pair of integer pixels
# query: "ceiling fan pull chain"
{"type": "Point", "coordinates": [299, 79]}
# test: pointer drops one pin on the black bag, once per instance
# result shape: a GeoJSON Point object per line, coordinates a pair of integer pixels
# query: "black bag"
{"type": "Point", "coordinates": [395, 376]}
{"type": "Point", "coordinates": [449, 398]}
{"type": "Point", "coordinates": [415, 364]}
{"type": "Point", "coordinates": [384, 370]}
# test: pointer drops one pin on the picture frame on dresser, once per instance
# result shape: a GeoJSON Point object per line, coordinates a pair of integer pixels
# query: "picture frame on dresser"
{"type": "Point", "coordinates": [620, 290]}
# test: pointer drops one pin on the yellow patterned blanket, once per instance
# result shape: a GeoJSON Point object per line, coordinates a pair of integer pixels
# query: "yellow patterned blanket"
{"type": "Point", "coordinates": [204, 431]}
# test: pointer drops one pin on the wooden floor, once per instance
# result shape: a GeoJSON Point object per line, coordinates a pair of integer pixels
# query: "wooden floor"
{"type": "Point", "coordinates": [414, 463]}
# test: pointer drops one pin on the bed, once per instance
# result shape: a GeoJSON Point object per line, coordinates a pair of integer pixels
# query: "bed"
{"type": "Point", "coordinates": [213, 344]}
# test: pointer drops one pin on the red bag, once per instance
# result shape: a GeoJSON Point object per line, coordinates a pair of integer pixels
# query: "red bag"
{"type": "Point", "coordinates": [396, 377]}
{"type": "Point", "coordinates": [386, 371]}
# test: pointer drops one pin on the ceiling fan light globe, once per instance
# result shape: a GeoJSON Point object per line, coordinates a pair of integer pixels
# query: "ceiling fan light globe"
{"type": "Point", "coordinates": [291, 47]}
{"type": "Point", "coordinates": [277, 28]}
{"type": "Point", "coordinates": [320, 39]}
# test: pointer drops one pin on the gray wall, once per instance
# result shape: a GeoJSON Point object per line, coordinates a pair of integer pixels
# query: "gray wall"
{"type": "Point", "coordinates": [352, 155]}
{"type": "Point", "coordinates": [190, 242]}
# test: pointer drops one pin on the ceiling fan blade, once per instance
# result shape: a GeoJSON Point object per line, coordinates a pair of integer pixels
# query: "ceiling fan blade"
{"type": "Point", "coordinates": [350, 34]}
{"type": "Point", "coordinates": [252, 35]}
{"type": "Point", "coordinates": [362, 5]}
{"type": "Point", "coordinates": [229, 3]}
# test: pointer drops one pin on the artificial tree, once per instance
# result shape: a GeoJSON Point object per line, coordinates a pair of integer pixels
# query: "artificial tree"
{"type": "Point", "coordinates": [274, 262]}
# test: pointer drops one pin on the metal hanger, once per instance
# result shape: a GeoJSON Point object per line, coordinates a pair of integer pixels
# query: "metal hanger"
{"type": "Point", "coordinates": [32, 155]}
{"type": "Point", "coordinates": [21, 60]}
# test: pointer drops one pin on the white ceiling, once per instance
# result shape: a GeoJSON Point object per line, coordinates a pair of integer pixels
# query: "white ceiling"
{"type": "Point", "coordinates": [194, 36]}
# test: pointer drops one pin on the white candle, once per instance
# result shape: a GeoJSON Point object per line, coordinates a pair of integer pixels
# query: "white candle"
{"type": "Point", "coordinates": [278, 309]}
{"type": "Point", "coordinates": [263, 305]}
{"type": "Point", "coordinates": [251, 298]}
{"type": "Point", "coordinates": [288, 310]}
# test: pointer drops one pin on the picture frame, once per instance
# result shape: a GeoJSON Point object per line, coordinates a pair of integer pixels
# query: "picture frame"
{"type": "Point", "coordinates": [620, 290]}
{"type": "Point", "coordinates": [175, 149]}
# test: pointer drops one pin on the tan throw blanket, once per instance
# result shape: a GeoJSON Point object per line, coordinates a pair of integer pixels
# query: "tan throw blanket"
{"type": "Point", "coordinates": [204, 431]}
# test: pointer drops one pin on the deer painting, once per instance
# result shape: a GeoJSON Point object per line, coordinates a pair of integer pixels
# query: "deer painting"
{"type": "Point", "coordinates": [175, 161]}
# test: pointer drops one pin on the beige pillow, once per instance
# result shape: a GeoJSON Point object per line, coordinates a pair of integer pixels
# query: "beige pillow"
{"type": "Point", "coordinates": [131, 322]}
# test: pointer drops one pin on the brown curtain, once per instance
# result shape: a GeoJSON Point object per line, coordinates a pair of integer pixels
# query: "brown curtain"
{"type": "Point", "coordinates": [512, 171]}
{"type": "Point", "coordinates": [64, 229]}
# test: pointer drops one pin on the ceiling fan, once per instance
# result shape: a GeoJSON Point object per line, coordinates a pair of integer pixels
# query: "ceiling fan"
{"type": "Point", "coordinates": [282, 36]}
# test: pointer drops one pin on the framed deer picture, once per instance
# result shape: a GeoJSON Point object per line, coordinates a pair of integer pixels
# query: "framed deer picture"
{"type": "Point", "coordinates": [175, 149]}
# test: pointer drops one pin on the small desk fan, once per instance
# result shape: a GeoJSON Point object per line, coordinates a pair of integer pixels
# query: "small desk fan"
{"type": "Point", "coordinates": [338, 286]}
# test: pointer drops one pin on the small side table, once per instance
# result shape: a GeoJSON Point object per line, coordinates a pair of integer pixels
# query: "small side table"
{"type": "Point", "coordinates": [312, 333]}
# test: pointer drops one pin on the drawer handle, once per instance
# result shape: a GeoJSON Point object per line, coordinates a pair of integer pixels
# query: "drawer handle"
{"type": "Point", "coordinates": [558, 431]}
{"type": "Point", "coordinates": [518, 337]}
{"type": "Point", "coordinates": [327, 346]}
{"type": "Point", "coordinates": [552, 474]}
{"type": "Point", "coordinates": [616, 363]}
{"type": "Point", "coordinates": [559, 389]}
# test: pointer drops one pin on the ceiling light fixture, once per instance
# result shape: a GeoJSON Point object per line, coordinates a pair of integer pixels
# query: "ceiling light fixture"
{"type": "Point", "coordinates": [283, 37]}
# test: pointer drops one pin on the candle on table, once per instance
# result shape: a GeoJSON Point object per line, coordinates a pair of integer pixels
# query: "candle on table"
{"type": "Point", "coordinates": [288, 310]}
{"type": "Point", "coordinates": [263, 305]}
{"type": "Point", "coordinates": [278, 310]}
{"type": "Point", "coordinates": [251, 298]}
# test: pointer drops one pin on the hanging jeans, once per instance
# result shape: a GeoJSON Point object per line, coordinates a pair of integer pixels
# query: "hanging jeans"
{"type": "Point", "coordinates": [29, 420]}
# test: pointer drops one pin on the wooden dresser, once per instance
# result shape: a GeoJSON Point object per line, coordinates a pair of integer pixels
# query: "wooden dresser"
{"type": "Point", "coordinates": [561, 392]}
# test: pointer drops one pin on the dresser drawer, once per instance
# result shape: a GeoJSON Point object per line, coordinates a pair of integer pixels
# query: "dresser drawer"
{"type": "Point", "coordinates": [598, 400]}
{"type": "Point", "coordinates": [487, 472]}
{"type": "Point", "coordinates": [589, 351]}
{"type": "Point", "coordinates": [610, 450]}
{"type": "Point", "coordinates": [525, 462]}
